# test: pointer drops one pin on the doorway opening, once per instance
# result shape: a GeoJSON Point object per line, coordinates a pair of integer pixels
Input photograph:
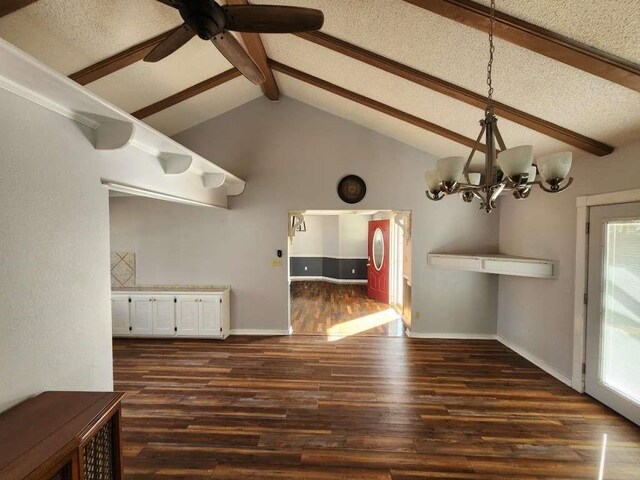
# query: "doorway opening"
{"type": "Point", "coordinates": [349, 272]}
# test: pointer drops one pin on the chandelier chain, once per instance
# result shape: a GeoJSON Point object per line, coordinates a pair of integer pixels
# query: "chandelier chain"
{"type": "Point", "coordinates": [489, 109]}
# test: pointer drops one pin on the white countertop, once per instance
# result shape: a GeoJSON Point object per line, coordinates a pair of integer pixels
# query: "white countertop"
{"type": "Point", "coordinates": [172, 289]}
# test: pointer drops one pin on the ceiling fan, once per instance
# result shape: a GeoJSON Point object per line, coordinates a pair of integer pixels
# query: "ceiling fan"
{"type": "Point", "coordinates": [211, 21]}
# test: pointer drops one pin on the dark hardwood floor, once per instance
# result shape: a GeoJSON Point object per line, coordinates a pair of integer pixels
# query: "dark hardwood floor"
{"type": "Point", "coordinates": [359, 408]}
{"type": "Point", "coordinates": [338, 310]}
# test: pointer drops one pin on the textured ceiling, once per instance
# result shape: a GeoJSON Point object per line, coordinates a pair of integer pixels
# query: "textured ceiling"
{"type": "Point", "coordinates": [70, 35]}
{"type": "Point", "coordinates": [612, 26]}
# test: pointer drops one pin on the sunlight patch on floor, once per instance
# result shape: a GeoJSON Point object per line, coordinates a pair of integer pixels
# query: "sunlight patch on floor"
{"type": "Point", "coordinates": [361, 324]}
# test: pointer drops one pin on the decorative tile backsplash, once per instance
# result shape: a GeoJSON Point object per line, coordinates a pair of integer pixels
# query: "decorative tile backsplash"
{"type": "Point", "coordinates": [123, 269]}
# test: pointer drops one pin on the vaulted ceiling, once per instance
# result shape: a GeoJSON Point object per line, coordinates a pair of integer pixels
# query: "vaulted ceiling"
{"type": "Point", "coordinates": [422, 83]}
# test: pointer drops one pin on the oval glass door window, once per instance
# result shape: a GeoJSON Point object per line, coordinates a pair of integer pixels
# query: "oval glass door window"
{"type": "Point", "coordinates": [378, 249]}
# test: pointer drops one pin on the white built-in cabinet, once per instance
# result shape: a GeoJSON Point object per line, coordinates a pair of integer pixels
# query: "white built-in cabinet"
{"type": "Point", "coordinates": [164, 315]}
{"type": "Point", "coordinates": [120, 309]}
{"type": "Point", "coordinates": [188, 313]}
{"type": "Point", "coordinates": [167, 314]}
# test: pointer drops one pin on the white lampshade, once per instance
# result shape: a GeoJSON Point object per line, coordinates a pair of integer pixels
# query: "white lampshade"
{"type": "Point", "coordinates": [532, 174]}
{"type": "Point", "coordinates": [515, 161]}
{"type": "Point", "coordinates": [450, 168]}
{"type": "Point", "coordinates": [433, 180]}
{"type": "Point", "coordinates": [474, 178]}
{"type": "Point", "coordinates": [555, 165]}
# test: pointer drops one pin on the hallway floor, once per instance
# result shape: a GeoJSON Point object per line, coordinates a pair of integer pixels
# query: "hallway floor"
{"type": "Point", "coordinates": [339, 310]}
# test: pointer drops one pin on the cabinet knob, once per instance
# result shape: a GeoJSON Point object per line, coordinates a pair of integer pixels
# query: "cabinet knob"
{"type": "Point", "coordinates": [130, 328]}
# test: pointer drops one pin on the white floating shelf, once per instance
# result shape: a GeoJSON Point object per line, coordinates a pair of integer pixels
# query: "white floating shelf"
{"type": "Point", "coordinates": [495, 263]}
{"type": "Point", "coordinates": [25, 76]}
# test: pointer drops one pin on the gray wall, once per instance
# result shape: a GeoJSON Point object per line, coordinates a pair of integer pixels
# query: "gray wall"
{"type": "Point", "coordinates": [537, 315]}
{"type": "Point", "coordinates": [333, 246]}
{"type": "Point", "coordinates": [55, 325]}
{"type": "Point", "coordinates": [292, 157]}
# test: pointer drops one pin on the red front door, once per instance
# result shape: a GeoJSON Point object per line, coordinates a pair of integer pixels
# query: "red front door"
{"type": "Point", "coordinates": [378, 265]}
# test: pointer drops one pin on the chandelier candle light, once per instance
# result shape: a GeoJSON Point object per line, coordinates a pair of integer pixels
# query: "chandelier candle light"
{"type": "Point", "coordinates": [510, 169]}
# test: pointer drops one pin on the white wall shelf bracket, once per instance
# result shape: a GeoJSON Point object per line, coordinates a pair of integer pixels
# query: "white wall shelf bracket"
{"type": "Point", "coordinates": [296, 219]}
{"type": "Point", "coordinates": [175, 163]}
{"type": "Point", "coordinates": [213, 180]}
{"type": "Point", "coordinates": [113, 135]}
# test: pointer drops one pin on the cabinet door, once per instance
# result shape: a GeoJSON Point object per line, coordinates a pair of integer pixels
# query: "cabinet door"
{"type": "Point", "coordinates": [210, 316]}
{"type": "Point", "coordinates": [187, 315]}
{"type": "Point", "coordinates": [120, 314]}
{"type": "Point", "coordinates": [141, 315]}
{"type": "Point", "coordinates": [164, 315]}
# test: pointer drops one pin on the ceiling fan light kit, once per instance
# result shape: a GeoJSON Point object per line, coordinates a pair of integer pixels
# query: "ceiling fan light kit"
{"type": "Point", "coordinates": [510, 169]}
{"type": "Point", "coordinates": [212, 22]}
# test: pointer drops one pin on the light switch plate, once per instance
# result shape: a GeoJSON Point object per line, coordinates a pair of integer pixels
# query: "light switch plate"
{"type": "Point", "coordinates": [276, 262]}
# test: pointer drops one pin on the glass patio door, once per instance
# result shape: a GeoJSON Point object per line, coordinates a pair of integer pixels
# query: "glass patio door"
{"type": "Point", "coordinates": [613, 314]}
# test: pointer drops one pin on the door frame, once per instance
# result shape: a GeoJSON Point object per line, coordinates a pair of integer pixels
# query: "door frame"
{"type": "Point", "coordinates": [583, 204]}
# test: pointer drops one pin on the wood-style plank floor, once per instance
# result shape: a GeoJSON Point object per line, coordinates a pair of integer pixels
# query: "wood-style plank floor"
{"type": "Point", "coordinates": [302, 407]}
{"type": "Point", "coordinates": [323, 308]}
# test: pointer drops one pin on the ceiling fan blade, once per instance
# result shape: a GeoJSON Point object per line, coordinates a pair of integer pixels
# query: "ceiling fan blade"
{"type": "Point", "coordinates": [272, 19]}
{"type": "Point", "coordinates": [171, 3]}
{"type": "Point", "coordinates": [239, 58]}
{"type": "Point", "coordinates": [170, 44]}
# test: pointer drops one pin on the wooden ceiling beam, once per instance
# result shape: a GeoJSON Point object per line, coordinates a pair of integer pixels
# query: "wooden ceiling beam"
{"type": "Point", "coordinates": [255, 47]}
{"type": "Point", "coordinates": [538, 39]}
{"type": "Point", "coordinates": [441, 86]}
{"type": "Point", "coordinates": [187, 93]}
{"type": "Point", "coordinates": [119, 60]}
{"type": "Point", "coordinates": [373, 104]}
{"type": "Point", "coordinates": [10, 6]}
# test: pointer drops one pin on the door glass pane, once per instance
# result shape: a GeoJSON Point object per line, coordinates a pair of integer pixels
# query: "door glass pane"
{"type": "Point", "coordinates": [378, 249]}
{"type": "Point", "coordinates": [620, 347]}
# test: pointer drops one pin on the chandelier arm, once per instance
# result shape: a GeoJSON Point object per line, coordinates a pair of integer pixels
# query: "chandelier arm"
{"type": "Point", "coordinates": [473, 151]}
{"type": "Point", "coordinates": [560, 189]}
{"type": "Point", "coordinates": [436, 197]}
{"type": "Point", "coordinates": [498, 135]}
{"type": "Point", "coordinates": [498, 190]}
{"type": "Point", "coordinates": [477, 195]}
{"type": "Point", "coordinates": [521, 193]}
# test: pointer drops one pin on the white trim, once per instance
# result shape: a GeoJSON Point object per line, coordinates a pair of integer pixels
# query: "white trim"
{"type": "Point", "coordinates": [611, 198]}
{"type": "Point", "coordinates": [328, 256]}
{"type": "Point", "coordinates": [453, 336]}
{"type": "Point", "coordinates": [258, 332]}
{"type": "Point", "coordinates": [35, 97]}
{"type": "Point", "coordinates": [536, 361]}
{"type": "Point", "coordinates": [579, 308]}
{"type": "Point", "coordinates": [143, 192]}
{"type": "Point", "coordinates": [327, 279]}
{"type": "Point", "coordinates": [583, 204]}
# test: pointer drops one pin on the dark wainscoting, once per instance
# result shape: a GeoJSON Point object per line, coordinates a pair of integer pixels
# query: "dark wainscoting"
{"type": "Point", "coordinates": [336, 268]}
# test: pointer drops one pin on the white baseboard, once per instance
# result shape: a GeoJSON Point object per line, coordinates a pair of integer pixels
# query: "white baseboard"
{"type": "Point", "coordinates": [329, 256]}
{"type": "Point", "coordinates": [453, 336]}
{"type": "Point", "coordinates": [257, 332]}
{"type": "Point", "coordinates": [327, 279]}
{"type": "Point", "coordinates": [536, 361]}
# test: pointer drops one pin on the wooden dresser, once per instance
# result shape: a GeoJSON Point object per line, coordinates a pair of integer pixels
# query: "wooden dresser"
{"type": "Point", "coordinates": [62, 436]}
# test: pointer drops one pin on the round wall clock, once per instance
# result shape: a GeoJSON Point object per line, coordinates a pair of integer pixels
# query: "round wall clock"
{"type": "Point", "coordinates": [351, 189]}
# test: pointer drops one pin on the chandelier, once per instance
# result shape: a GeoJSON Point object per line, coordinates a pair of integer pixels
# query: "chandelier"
{"type": "Point", "coordinates": [507, 170]}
